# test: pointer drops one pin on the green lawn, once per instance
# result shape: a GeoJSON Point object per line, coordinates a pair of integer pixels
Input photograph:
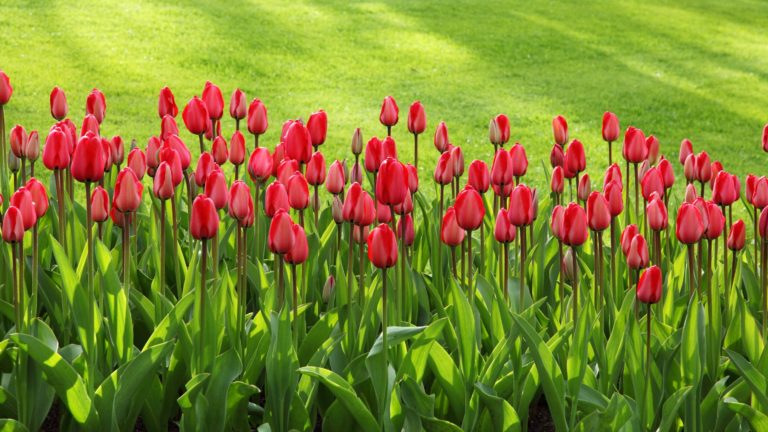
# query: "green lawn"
{"type": "Point", "coordinates": [698, 70]}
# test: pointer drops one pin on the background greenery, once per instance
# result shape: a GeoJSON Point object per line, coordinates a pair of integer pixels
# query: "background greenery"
{"type": "Point", "coordinates": [688, 69]}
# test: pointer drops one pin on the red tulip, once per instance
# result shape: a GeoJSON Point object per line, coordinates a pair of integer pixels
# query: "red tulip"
{"type": "Point", "coordinates": [216, 189]}
{"type": "Point", "coordinates": [392, 182]}
{"type": "Point", "coordinates": [701, 206]}
{"type": "Point", "coordinates": [214, 101]}
{"type": "Point", "coordinates": [59, 106]}
{"type": "Point", "coordinates": [519, 160]}
{"type": "Point", "coordinates": [556, 156]}
{"type": "Point", "coordinates": [237, 149]}
{"type": "Point", "coordinates": [18, 138]}
{"type": "Point", "coordinates": [298, 191]}
{"type": "Point", "coordinates": [760, 194]}
{"type": "Point", "coordinates": [350, 203]}
{"type": "Point", "coordinates": [286, 169]}
{"type": "Point", "coordinates": [168, 127]}
{"type": "Point", "coordinates": [457, 160]}
{"type": "Point", "coordinates": [763, 224]}
{"type": "Point", "coordinates": [501, 170]}
{"type": "Point", "coordinates": [626, 238]}
{"type": "Point", "coordinates": [651, 183]}
{"type": "Point", "coordinates": [166, 103]}
{"type": "Point", "coordinates": [96, 105]}
{"type": "Point", "coordinates": [238, 105]}
{"type": "Point", "coordinates": [498, 131]}
{"type": "Point", "coordinates": [690, 193]}
{"type": "Point", "coordinates": [417, 119]}
{"type": "Point", "coordinates": [634, 150]}
{"type": "Point", "coordinates": [703, 167]}
{"type": "Point", "coordinates": [405, 207]}
{"type": "Point", "coordinates": [105, 148]}
{"type": "Point", "coordinates": [470, 209]}
{"type": "Point", "coordinates": [39, 196]}
{"type": "Point", "coordinates": [22, 199]}
{"type": "Point", "coordinates": [450, 232]}
{"type": "Point", "coordinates": [171, 157]}
{"type": "Point", "coordinates": [389, 112]}
{"type": "Point", "coordinates": [649, 285]}
{"type": "Point", "coordinates": [388, 148]}
{"type": "Point", "coordinates": [298, 144]}
{"type": "Point", "coordinates": [656, 212]}
{"type": "Point", "coordinates": [574, 225]}
{"type": "Point", "coordinates": [751, 181]}
{"type": "Point", "coordinates": [196, 116]}
{"type": "Point", "coordinates": [88, 161]}
{"type": "Point", "coordinates": [275, 198]}
{"type": "Point", "coordinates": [364, 211]}
{"type": "Point", "coordinates": [717, 166]}
{"type": "Point", "coordinates": [413, 178]}
{"type": "Point", "coordinates": [637, 256]}
{"type": "Point", "coordinates": [610, 127]}
{"type": "Point", "coordinates": [406, 223]}
{"type": "Point", "coordinates": [504, 231]}
{"type": "Point", "coordinates": [444, 169]}
{"type": "Point", "coordinates": [99, 204]}
{"type": "Point", "coordinates": [715, 221]}
{"type": "Point", "coordinates": [667, 174]}
{"type": "Point", "coordinates": [575, 158]}
{"type": "Point", "coordinates": [260, 165]}
{"type": "Point", "coordinates": [689, 226]}
{"type": "Point", "coordinates": [441, 137]}
{"type": "Point", "coordinates": [238, 199]}
{"type": "Point", "coordinates": [118, 217]}
{"type": "Point", "coordinates": [335, 181]}
{"type": "Point", "coordinates": [357, 142]}
{"type": "Point", "coordinates": [598, 212]}
{"type": "Point", "coordinates": [689, 168]}
{"type": "Point", "coordinates": [5, 89]}
{"type": "Point", "coordinates": [219, 150]}
{"type": "Point", "coordinates": [560, 130]}
{"type": "Point", "coordinates": [163, 186]}
{"type": "Point", "coordinates": [153, 153]}
{"type": "Point", "coordinates": [383, 213]}
{"type": "Point", "coordinates": [613, 173]}
{"type": "Point", "coordinates": [556, 222]}
{"type": "Point", "coordinates": [55, 153]}
{"type": "Point", "coordinates": [373, 155]}
{"type": "Point", "coordinates": [117, 148]}
{"type": "Point", "coordinates": [128, 190]}
{"type": "Point", "coordinates": [521, 207]}
{"type": "Point", "coordinates": [723, 191]}
{"type": "Point", "coordinates": [205, 164]}
{"type": "Point", "coordinates": [204, 219]}
{"type": "Point", "coordinates": [299, 253]}
{"type": "Point", "coordinates": [479, 178]}
{"type": "Point", "coordinates": [583, 188]}
{"type": "Point", "coordinates": [686, 149]}
{"type": "Point", "coordinates": [736, 236]}
{"type": "Point", "coordinates": [257, 117]}
{"type": "Point", "coordinates": [318, 127]}
{"type": "Point", "coordinates": [765, 138]}
{"type": "Point", "coordinates": [137, 161]}
{"type": "Point", "coordinates": [316, 169]}
{"type": "Point", "coordinates": [13, 224]}
{"type": "Point", "coordinates": [382, 246]}
{"type": "Point", "coordinates": [612, 192]}
{"type": "Point", "coordinates": [652, 149]}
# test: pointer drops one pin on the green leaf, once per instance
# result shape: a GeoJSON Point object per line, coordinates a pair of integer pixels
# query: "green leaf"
{"type": "Point", "coordinates": [345, 393]}
{"type": "Point", "coordinates": [755, 379]}
{"type": "Point", "coordinates": [61, 376]}
{"type": "Point", "coordinates": [281, 368]}
{"type": "Point", "coordinates": [671, 407]}
{"type": "Point", "coordinates": [504, 417]}
{"type": "Point", "coordinates": [119, 322]}
{"type": "Point", "coordinates": [756, 419]}
{"type": "Point", "coordinates": [551, 376]}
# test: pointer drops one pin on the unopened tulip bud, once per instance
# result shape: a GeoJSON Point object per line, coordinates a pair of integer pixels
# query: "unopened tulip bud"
{"type": "Point", "coordinates": [567, 266]}
{"type": "Point", "coordinates": [328, 289]}
{"type": "Point", "coordinates": [690, 194]}
{"type": "Point", "coordinates": [357, 142]}
{"type": "Point", "coordinates": [336, 210]}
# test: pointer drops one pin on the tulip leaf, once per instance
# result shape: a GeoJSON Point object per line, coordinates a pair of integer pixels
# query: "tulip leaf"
{"type": "Point", "coordinates": [345, 393]}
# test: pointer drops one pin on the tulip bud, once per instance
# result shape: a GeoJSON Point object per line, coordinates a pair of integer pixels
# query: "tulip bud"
{"type": "Point", "coordinates": [39, 196]}
{"type": "Point", "coordinates": [334, 182]}
{"type": "Point", "coordinates": [575, 158]}
{"type": "Point", "coordinates": [406, 207]}
{"type": "Point", "coordinates": [365, 210]}
{"type": "Point", "coordinates": [690, 194]}
{"type": "Point", "coordinates": [318, 127]}
{"type": "Point", "coordinates": [14, 164]}
{"type": "Point", "coordinates": [649, 285]}
{"type": "Point", "coordinates": [635, 149]}
{"type": "Point", "coordinates": [336, 210]}
{"type": "Point", "coordinates": [504, 231]}
{"type": "Point", "coordinates": [610, 127]}
{"type": "Point", "coordinates": [637, 256]}
{"type": "Point", "coordinates": [703, 167]}
{"type": "Point", "coordinates": [716, 167]}
{"type": "Point", "coordinates": [574, 225]}
{"type": "Point", "coordinates": [737, 236]}
{"type": "Point", "coordinates": [626, 237]}
{"type": "Point", "coordinates": [163, 186]}
{"type": "Point", "coordinates": [58, 101]}
{"type": "Point", "coordinates": [18, 139]}
{"type": "Point", "coordinates": [612, 192]}
{"type": "Point", "coordinates": [417, 119]}
{"type": "Point", "coordinates": [689, 226]}
{"type": "Point", "coordinates": [216, 190]}
{"type": "Point", "coordinates": [166, 103]}
{"type": "Point", "coordinates": [195, 116]}
{"type": "Point", "coordinates": [275, 198]}
{"type": "Point", "coordinates": [470, 209]}
{"type": "Point", "coordinates": [389, 112]}
{"type": "Point", "coordinates": [392, 182]}
{"type": "Point", "coordinates": [300, 250]}
{"type": "Point", "coordinates": [137, 161]}
{"type": "Point", "coordinates": [656, 212]}
{"type": "Point", "coordinates": [350, 203]}
{"type": "Point", "coordinates": [479, 178]}
{"type": "Point", "coordinates": [32, 149]}
{"type": "Point", "coordinates": [22, 199]}
{"type": "Point", "coordinates": [405, 230]}
{"type": "Point", "coordinates": [715, 221]}
{"type": "Point", "coordinates": [501, 170]}
{"type": "Point", "coordinates": [237, 149]}
{"type": "Point", "coordinates": [686, 149]}
{"type": "Point", "coordinates": [760, 194]}
{"type": "Point", "coordinates": [498, 131]}
{"type": "Point", "coordinates": [598, 212]}
{"type": "Point", "coordinates": [238, 105]}
{"type": "Point", "coordinates": [652, 183]}
{"type": "Point", "coordinates": [219, 150]}
{"type": "Point", "coordinates": [556, 222]}
{"type": "Point", "coordinates": [689, 168]}
{"type": "Point", "coordinates": [55, 153]}
{"type": "Point", "coordinates": [329, 288]}
{"type": "Point", "coordinates": [298, 191]}
{"type": "Point", "coordinates": [257, 117]}
{"type": "Point", "coordinates": [128, 190]}
{"type": "Point", "coordinates": [357, 142]}
{"type": "Point", "coordinates": [521, 206]}
{"type": "Point", "coordinates": [356, 176]}
{"type": "Point", "coordinates": [557, 183]}
{"type": "Point", "coordinates": [441, 137]}
{"type": "Point", "coordinates": [667, 174]}
{"type": "Point", "coordinates": [239, 197]}
{"type": "Point", "coordinates": [584, 188]}
{"type": "Point", "coordinates": [556, 156]}
{"type": "Point", "coordinates": [519, 160]}
{"type": "Point", "coordinates": [96, 105]}
{"type": "Point", "coordinates": [88, 161]}
{"type": "Point", "coordinates": [444, 169]}
{"type": "Point", "coordinates": [316, 169]}
{"type": "Point", "coordinates": [560, 130]}
{"type": "Point", "coordinates": [652, 146]}
{"type": "Point", "coordinates": [569, 270]}
{"type": "Point", "coordinates": [450, 232]}
{"type": "Point", "coordinates": [13, 225]}
{"type": "Point", "coordinates": [99, 205]}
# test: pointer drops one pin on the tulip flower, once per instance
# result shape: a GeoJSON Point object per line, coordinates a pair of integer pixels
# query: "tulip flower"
{"type": "Point", "coordinates": [171, 157]}
{"type": "Point", "coordinates": [318, 128]}
{"type": "Point", "coordinates": [128, 190]}
{"type": "Point", "coordinates": [166, 103]}
{"type": "Point", "coordinates": [335, 180]}
{"type": "Point", "coordinates": [18, 138]}
{"type": "Point", "coordinates": [575, 159]}
{"type": "Point", "coordinates": [298, 194]}
{"type": "Point", "coordinates": [689, 228]}
{"type": "Point", "coordinates": [667, 174]}
{"type": "Point", "coordinates": [498, 131]}
{"type": "Point", "coordinates": [737, 236]}
{"type": "Point", "coordinates": [205, 164]}
{"type": "Point", "coordinates": [163, 186]}
{"type": "Point", "coordinates": [238, 199]}
{"type": "Point", "coordinates": [451, 233]}
{"type": "Point", "coordinates": [574, 232]}
{"type": "Point", "coordinates": [651, 183]}
{"type": "Point", "coordinates": [216, 189]}
{"type": "Point", "coordinates": [96, 105]}
{"type": "Point", "coordinates": [392, 182]}
{"type": "Point", "coordinates": [649, 286]}
{"type": "Point", "coordinates": [686, 149]}
{"type": "Point", "coordinates": [584, 188]}
{"type": "Point", "coordinates": [557, 183]}
{"type": "Point", "coordinates": [610, 131]}
{"type": "Point", "coordinates": [238, 107]}
{"type": "Point", "coordinates": [257, 119]}
{"type": "Point", "coordinates": [560, 130]}
{"type": "Point", "coordinates": [237, 151]}
{"type": "Point", "coordinates": [405, 230]}
{"type": "Point", "coordinates": [219, 150]}
{"type": "Point", "coordinates": [99, 205]}
{"type": "Point", "coordinates": [501, 173]}
{"type": "Point", "coordinates": [637, 255]}
{"type": "Point", "coordinates": [441, 137]}
{"type": "Point", "coordinates": [196, 118]}
{"type": "Point", "coordinates": [652, 149]}
{"type": "Point", "coordinates": [6, 90]}
{"type": "Point", "coordinates": [59, 106]}
{"type": "Point", "coordinates": [556, 156]}
{"type": "Point", "coordinates": [389, 113]}
{"type": "Point", "coordinates": [656, 213]}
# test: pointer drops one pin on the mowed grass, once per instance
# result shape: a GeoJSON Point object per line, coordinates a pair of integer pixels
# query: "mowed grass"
{"type": "Point", "coordinates": [688, 69]}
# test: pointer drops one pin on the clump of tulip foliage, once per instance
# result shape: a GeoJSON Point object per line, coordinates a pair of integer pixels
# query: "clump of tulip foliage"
{"type": "Point", "coordinates": [226, 290]}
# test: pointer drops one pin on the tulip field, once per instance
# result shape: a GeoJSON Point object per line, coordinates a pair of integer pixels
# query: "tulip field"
{"type": "Point", "coordinates": [260, 287]}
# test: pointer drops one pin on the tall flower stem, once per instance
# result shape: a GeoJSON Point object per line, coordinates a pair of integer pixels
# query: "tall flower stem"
{"type": "Point", "coordinates": [384, 317]}
{"type": "Point", "coordinates": [255, 141]}
{"type": "Point", "coordinates": [175, 226]}
{"type": "Point", "coordinates": [57, 174]}
{"type": "Point", "coordinates": [162, 246]}
{"type": "Point", "coordinates": [505, 274]}
{"type": "Point", "coordinates": [361, 273]}
{"type": "Point", "coordinates": [280, 283]}
{"type": "Point", "coordinates": [256, 224]}
{"type": "Point", "coordinates": [215, 251]}
{"type": "Point", "coordinates": [35, 269]}
{"type": "Point", "coordinates": [92, 355]}
{"type": "Point", "coordinates": [201, 316]}
{"type": "Point", "coordinates": [628, 200]}
{"type": "Point", "coordinates": [470, 288]}
{"type": "Point", "coordinates": [765, 286]}
{"type": "Point", "coordinates": [295, 301]}
{"type": "Point", "coordinates": [709, 280]}
{"type": "Point", "coordinates": [610, 153]}
{"type": "Point", "coordinates": [599, 268]}
{"type": "Point", "coordinates": [202, 145]}
{"type": "Point", "coordinates": [126, 254]}
{"type": "Point", "coordinates": [453, 261]}
{"type": "Point", "coordinates": [648, 380]}
{"type": "Point", "coordinates": [637, 195]}
{"type": "Point", "coordinates": [561, 277]}
{"type": "Point", "coordinates": [416, 151]}
{"type": "Point", "coordinates": [575, 284]}
{"type": "Point", "coordinates": [691, 270]}
{"type": "Point", "coordinates": [522, 266]}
